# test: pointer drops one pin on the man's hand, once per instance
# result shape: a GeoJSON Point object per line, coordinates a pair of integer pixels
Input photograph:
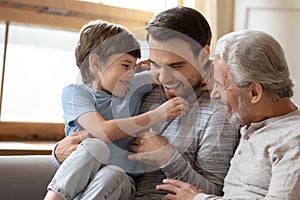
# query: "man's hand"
{"type": "Point", "coordinates": [69, 144]}
{"type": "Point", "coordinates": [152, 149]}
{"type": "Point", "coordinates": [178, 190]}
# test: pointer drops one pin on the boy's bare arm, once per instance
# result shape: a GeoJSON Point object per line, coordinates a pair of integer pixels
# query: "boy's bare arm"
{"type": "Point", "coordinates": [112, 130]}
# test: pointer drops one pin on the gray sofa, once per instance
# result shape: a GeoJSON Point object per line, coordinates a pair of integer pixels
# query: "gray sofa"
{"type": "Point", "coordinates": [25, 177]}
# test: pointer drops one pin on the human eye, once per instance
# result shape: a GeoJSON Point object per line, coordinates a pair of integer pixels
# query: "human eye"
{"type": "Point", "coordinates": [177, 66]}
{"type": "Point", "coordinates": [128, 66]}
{"type": "Point", "coordinates": [125, 65]}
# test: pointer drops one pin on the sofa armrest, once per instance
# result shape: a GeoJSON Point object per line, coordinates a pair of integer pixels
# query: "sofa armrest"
{"type": "Point", "coordinates": [25, 177]}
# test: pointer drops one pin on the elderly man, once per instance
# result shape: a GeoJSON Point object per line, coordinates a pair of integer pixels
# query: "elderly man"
{"type": "Point", "coordinates": [253, 79]}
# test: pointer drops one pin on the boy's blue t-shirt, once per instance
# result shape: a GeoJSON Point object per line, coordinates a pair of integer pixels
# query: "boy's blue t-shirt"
{"type": "Point", "coordinates": [79, 99]}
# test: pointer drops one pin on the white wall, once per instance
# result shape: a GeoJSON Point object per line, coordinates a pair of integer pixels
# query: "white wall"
{"type": "Point", "coordinates": [280, 18]}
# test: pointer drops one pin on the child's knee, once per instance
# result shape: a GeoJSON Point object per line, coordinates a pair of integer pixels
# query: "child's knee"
{"type": "Point", "coordinates": [98, 149]}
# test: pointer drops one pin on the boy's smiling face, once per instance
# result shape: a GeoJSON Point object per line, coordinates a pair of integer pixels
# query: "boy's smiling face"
{"type": "Point", "coordinates": [117, 74]}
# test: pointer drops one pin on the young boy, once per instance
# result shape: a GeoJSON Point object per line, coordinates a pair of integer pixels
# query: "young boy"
{"type": "Point", "coordinates": [107, 106]}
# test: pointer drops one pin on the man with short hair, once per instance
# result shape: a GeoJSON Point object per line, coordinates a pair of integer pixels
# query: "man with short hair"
{"type": "Point", "coordinates": [195, 147]}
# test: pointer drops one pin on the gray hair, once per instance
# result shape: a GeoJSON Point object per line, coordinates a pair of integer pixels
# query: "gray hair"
{"type": "Point", "coordinates": [255, 56]}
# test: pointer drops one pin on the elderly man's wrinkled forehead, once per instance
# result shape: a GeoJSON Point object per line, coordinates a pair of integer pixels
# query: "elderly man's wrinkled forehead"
{"type": "Point", "coordinates": [221, 70]}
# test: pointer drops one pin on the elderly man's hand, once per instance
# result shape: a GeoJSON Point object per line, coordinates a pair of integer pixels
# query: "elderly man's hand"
{"type": "Point", "coordinates": [152, 149]}
{"type": "Point", "coordinates": [69, 144]}
{"type": "Point", "coordinates": [178, 190]}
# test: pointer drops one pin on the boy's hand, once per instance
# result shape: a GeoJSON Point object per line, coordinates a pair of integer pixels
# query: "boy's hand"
{"type": "Point", "coordinates": [142, 66]}
{"type": "Point", "coordinates": [172, 108]}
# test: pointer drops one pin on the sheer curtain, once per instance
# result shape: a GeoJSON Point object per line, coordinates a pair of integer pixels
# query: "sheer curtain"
{"type": "Point", "coordinates": [220, 14]}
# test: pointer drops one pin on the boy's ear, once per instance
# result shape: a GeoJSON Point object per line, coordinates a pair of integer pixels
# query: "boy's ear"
{"type": "Point", "coordinates": [94, 62]}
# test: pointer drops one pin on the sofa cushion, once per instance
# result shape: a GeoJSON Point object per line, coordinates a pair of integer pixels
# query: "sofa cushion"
{"type": "Point", "coordinates": [25, 177]}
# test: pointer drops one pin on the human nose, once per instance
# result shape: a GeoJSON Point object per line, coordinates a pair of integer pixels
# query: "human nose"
{"type": "Point", "coordinates": [215, 92]}
{"type": "Point", "coordinates": [165, 75]}
{"type": "Point", "coordinates": [131, 73]}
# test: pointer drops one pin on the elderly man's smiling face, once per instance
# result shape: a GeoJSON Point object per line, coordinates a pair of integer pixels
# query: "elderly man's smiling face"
{"type": "Point", "coordinates": [234, 97]}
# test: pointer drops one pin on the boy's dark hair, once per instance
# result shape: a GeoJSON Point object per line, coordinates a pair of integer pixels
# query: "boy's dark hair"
{"type": "Point", "coordinates": [183, 23]}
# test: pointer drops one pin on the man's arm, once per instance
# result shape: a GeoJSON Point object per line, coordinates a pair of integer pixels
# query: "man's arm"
{"type": "Point", "coordinates": [285, 179]}
{"type": "Point", "coordinates": [215, 148]}
{"type": "Point", "coordinates": [214, 151]}
{"type": "Point", "coordinates": [154, 149]}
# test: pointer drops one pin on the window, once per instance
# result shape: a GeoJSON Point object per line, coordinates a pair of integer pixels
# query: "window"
{"type": "Point", "coordinates": [39, 56]}
{"type": "Point", "coordinates": [2, 35]}
{"type": "Point", "coordinates": [40, 61]}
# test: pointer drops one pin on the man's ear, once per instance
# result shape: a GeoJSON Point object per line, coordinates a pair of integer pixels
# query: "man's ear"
{"type": "Point", "coordinates": [94, 62]}
{"type": "Point", "coordinates": [204, 55]}
{"type": "Point", "coordinates": [256, 91]}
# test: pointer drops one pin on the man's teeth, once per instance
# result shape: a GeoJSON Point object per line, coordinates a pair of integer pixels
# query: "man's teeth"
{"type": "Point", "coordinates": [172, 87]}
